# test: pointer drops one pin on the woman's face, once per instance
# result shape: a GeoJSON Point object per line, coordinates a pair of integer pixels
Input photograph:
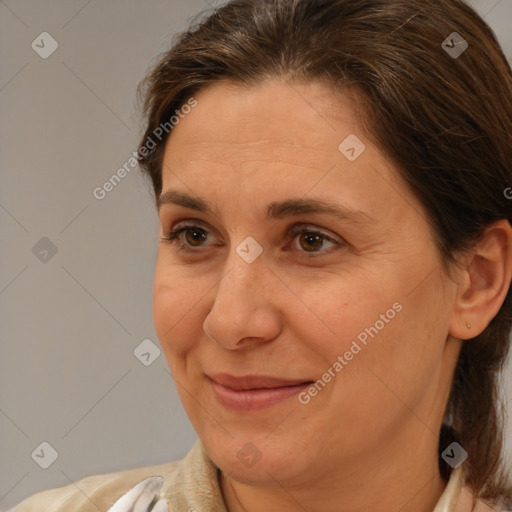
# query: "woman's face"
{"type": "Point", "coordinates": [294, 351]}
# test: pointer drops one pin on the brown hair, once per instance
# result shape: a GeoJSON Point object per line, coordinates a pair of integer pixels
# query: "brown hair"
{"type": "Point", "coordinates": [444, 119]}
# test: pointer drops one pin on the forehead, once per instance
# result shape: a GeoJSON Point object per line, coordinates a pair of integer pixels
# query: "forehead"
{"type": "Point", "coordinates": [272, 115]}
{"type": "Point", "coordinates": [278, 138]}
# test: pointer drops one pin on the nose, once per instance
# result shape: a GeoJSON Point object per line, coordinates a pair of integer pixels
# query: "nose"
{"type": "Point", "coordinates": [245, 306]}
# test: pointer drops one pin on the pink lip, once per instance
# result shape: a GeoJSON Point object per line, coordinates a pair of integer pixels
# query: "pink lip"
{"type": "Point", "coordinates": [253, 392]}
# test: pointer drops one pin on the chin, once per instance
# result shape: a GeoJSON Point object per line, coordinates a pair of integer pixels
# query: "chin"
{"type": "Point", "coordinates": [258, 461]}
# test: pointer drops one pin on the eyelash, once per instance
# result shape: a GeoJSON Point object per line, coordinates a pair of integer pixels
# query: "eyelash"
{"type": "Point", "coordinates": [174, 238]}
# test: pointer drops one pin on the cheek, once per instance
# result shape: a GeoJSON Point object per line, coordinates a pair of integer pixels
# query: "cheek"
{"type": "Point", "coordinates": [400, 362]}
{"type": "Point", "coordinates": [384, 334]}
{"type": "Point", "coordinates": [176, 302]}
{"type": "Point", "coordinates": [341, 313]}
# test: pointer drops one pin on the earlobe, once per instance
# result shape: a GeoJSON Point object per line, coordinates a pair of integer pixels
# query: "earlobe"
{"type": "Point", "coordinates": [484, 283]}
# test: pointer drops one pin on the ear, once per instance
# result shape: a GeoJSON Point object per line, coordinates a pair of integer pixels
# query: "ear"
{"type": "Point", "coordinates": [484, 281]}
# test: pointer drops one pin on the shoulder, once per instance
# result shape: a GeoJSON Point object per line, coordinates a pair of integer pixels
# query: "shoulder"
{"type": "Point", "coordinates": [457, 497]}
{"type": "Point", "coordinates": [466, 500]}
{"type": "Point", "coordinates": [95, 493]}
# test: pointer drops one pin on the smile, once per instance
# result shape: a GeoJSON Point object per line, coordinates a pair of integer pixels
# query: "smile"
{"type": "Point", "coordinates": [253, 392]}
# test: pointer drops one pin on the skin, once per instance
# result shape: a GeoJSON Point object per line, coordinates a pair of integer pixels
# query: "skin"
{"type": "Point", "coordinates": [369, 439]}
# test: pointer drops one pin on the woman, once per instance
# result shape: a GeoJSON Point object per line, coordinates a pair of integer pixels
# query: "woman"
{"type": "Point", "coordinates": [332, 288]}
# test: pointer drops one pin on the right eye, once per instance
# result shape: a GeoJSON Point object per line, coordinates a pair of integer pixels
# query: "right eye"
{"type": "Point", "coordinates": [187, 236]}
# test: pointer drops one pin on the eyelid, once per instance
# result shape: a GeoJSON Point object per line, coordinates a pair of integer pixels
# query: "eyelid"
{"type": "Point", "coordinates": [311, 228]}
{"type": "Point", "coordinates": [194, 223]}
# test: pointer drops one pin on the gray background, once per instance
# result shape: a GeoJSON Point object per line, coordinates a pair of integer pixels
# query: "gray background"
{"type": "Point", "coordinates": [70, 323]}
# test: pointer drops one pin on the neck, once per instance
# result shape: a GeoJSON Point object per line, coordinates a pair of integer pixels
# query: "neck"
{"type": "Point", "coordinates": [410, 482]}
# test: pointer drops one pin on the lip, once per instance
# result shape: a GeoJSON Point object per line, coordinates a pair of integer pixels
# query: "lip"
{"type": "Point", "coordinates": [253, 392]}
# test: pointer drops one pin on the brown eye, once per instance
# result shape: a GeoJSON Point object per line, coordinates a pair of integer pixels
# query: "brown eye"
{"type": "Point", "coordinates": [311, 242]}
{"type": "Point", "coordinates": [195, 236]}
{"type": "Point", "coordinates": [188, 236]}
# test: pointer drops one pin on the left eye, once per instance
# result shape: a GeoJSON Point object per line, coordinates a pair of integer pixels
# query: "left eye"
{"type": "Point", "coordinates": [313, 241]}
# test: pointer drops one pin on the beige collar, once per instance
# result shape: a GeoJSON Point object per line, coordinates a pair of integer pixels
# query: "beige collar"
{"type": "Point", "coordinates": [196, 486]}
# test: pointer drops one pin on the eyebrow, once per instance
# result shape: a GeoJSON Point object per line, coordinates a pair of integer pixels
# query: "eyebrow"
{"type": "Point", "coordinates": [275, 210]}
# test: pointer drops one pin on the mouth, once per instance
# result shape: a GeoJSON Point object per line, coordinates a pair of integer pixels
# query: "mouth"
{"type": "Point", "coordinates": [254, 392]}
